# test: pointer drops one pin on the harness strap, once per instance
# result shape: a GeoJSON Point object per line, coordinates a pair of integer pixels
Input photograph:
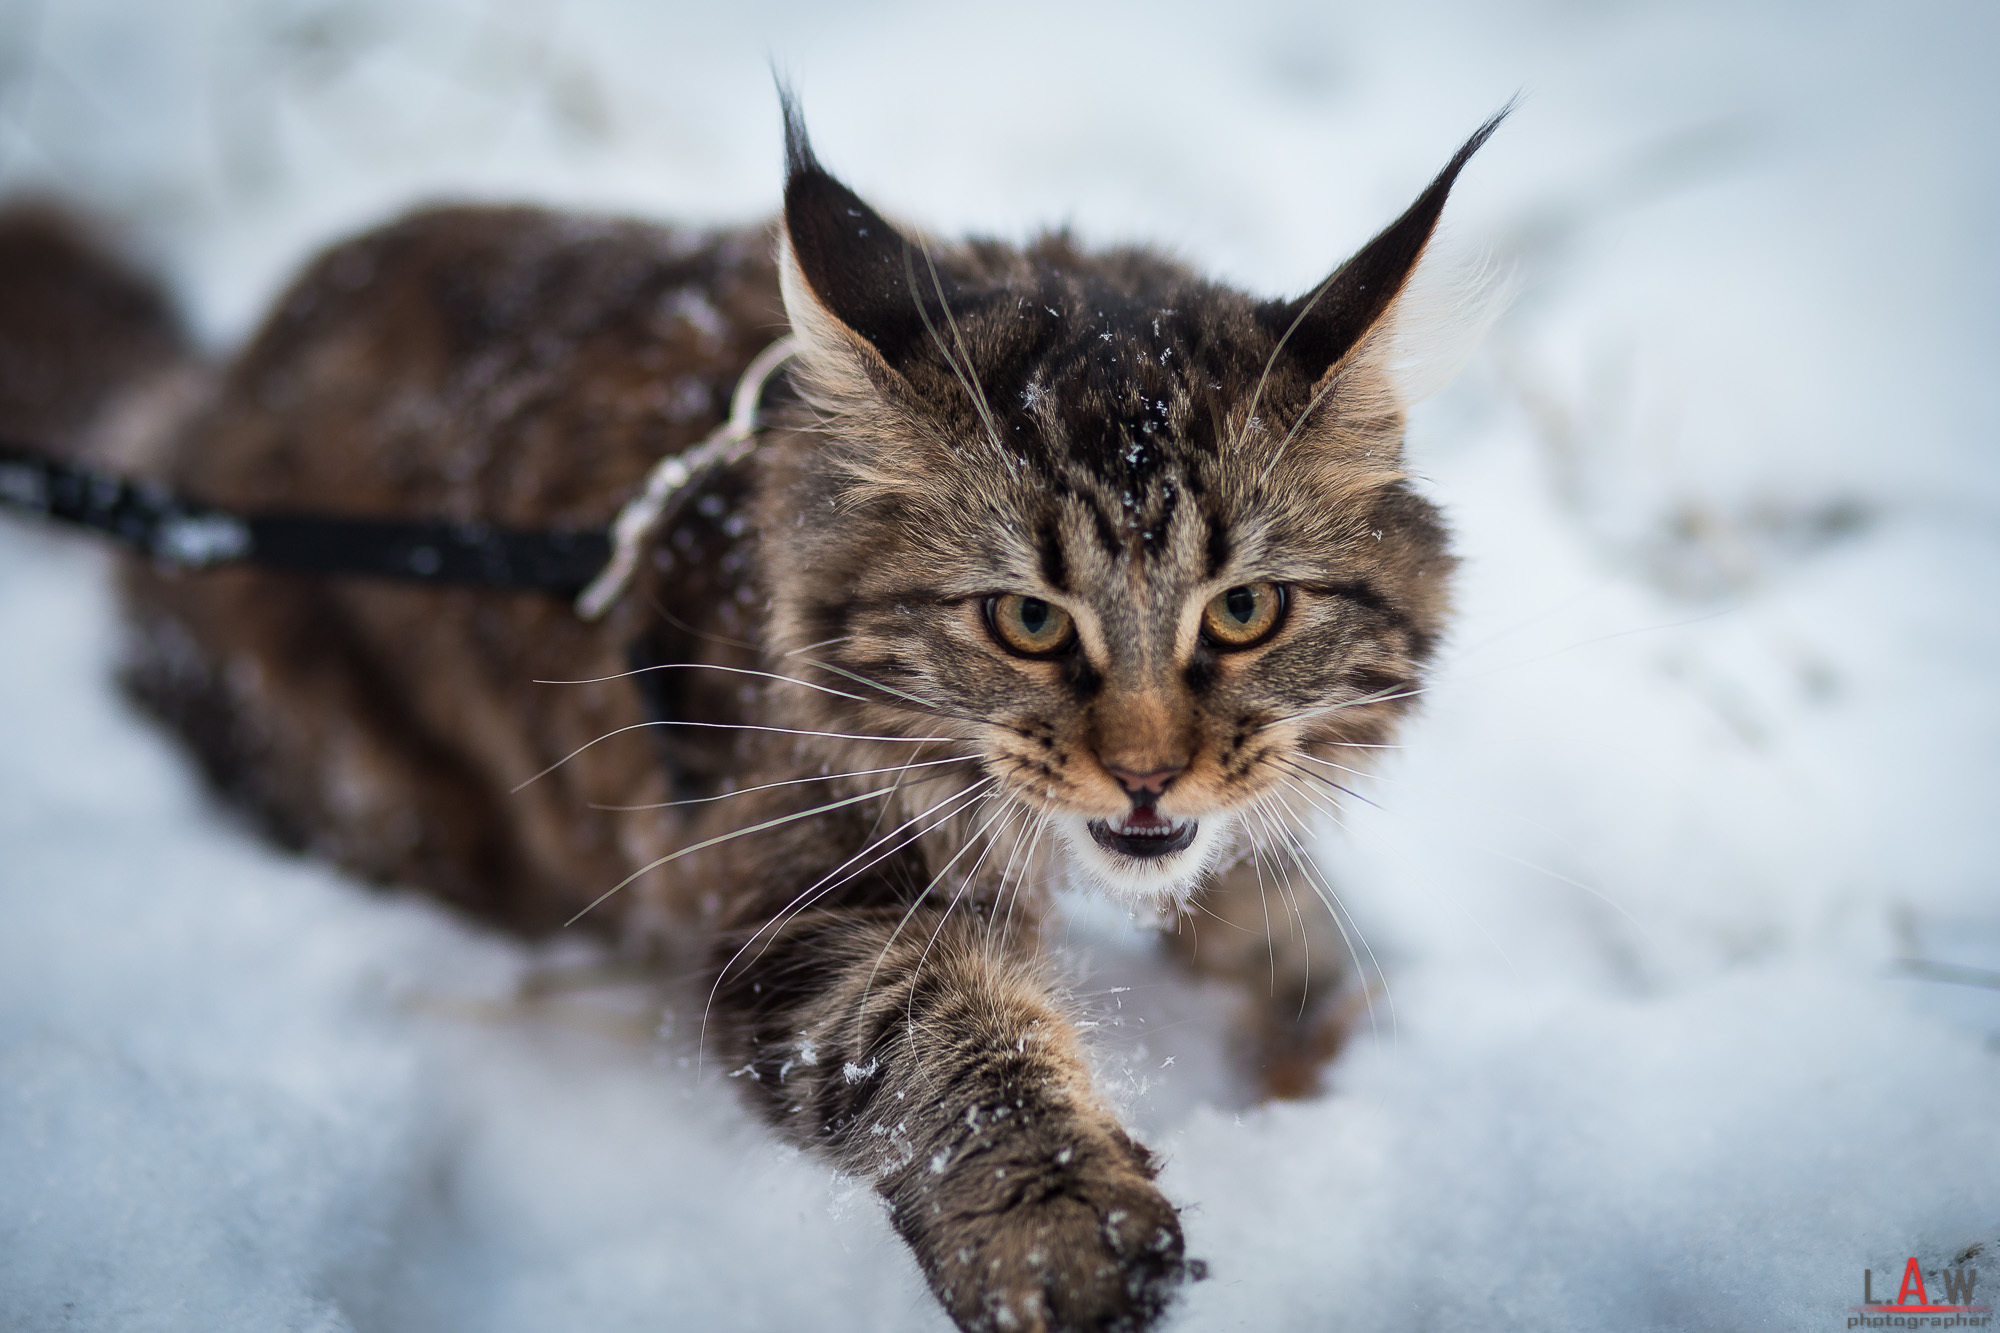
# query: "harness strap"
{"type": "Point", "coordinates": [641, 515]}
{"type": "Point", "coordinates": [180, 534]}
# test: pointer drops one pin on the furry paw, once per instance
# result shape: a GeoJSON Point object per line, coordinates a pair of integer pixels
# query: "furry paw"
{"type": "Point", "coordinates": [1286, 1052]}
{"type": "Point", "coordinates": [1075, 1240]}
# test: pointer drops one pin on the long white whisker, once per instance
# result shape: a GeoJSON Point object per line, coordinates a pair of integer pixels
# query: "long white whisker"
{"type": "Point", "coordinates": [729, 726]}
{"type": "Point", "coordinates": [823, 643]}
{"type": "Point", "coordinates": [725, 837]}
{"type": "Point", "coordinates": [1007, 810]}
{"type": "Point", "coordinates": [965, 376]}
{"type": "Point", "coordinates": [1379, 696]}
{"type": "Point", "coordinates": [1352, 772]}
{"type": "Point", "coordinates": [1305, 945]}
{"type": "Point", "coordinates": [833, 878]}
{"type": "Point", "coordinates": [1007, 882]}
{"type": "Point", "coordinates": [1335, 909]}
{"type": "Point", "coordinates": [1307, 795]}
{"type": "Point", "coordinates": [825, 885]}
{"type": "Point", "coordinates": [708, 666]}
{"type": "Point", "coordinates": [1332, 382]}
{"type": "Point", "coordinates": [791, 782]}
{"type": "Point", "coordinates": [1353, 745]}
{"type": "Point", "coordinates": [1034, 841]}
{"type": "Point", "coordinates": [1272, 360]}
{"type": "Point", "coordinates": [964, 887]}
{"type": "Point", "coordinates": [1259, 808]}
{"type": "Point", "coordinates": [1270, 945]}
{"type": "Point", "coordinates": [878, 685]}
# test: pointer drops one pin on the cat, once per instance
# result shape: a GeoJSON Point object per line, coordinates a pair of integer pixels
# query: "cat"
{"type": "Point", "coordinates": [1047, 563]}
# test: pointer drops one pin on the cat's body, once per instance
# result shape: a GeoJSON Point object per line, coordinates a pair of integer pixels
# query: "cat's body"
{"type": "Point", "coordinates": [1047, 561]}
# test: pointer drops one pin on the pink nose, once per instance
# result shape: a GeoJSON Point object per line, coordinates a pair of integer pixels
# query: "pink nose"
{"type": "Point", "coordinates": [1139, 785]}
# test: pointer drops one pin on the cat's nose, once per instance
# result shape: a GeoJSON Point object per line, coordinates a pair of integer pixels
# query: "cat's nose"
{"type": "Point", "coordinates": [1143, 788]}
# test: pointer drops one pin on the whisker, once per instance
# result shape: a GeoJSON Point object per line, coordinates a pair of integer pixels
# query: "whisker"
{"type": "Point", "coordinates": [970, 378]}
{"type": "Point", "coordinates": [789, 782]}
{"type": "Point", "coordinates": [1321, 778]}
{"type": "Point", "coordinates": [883, 813]}
{"type": "Point", "coordinates": [1008, 810]}
{"type": "Point", "coordinates": [860, 679]}
{"type": "Point", "coordinates": [1337, 910]}
{"type": "Point", "coordinates": [1332, 382]}
{"type": "Point", "coordinates": [1352, 772]}
{"type": "Point", "coordinates": [1277, 350]}
{"type": "Point", "coordinates": [1270, 944]}
{"type": "Point", "coordinates": [1523, 862]}
{"type": "Point", "coordinates": [1034, 841]}
{"type": "Point", "coordinates": [963, 376]}
{"type": "Point", "coordinates": [823, 643]}
{"type": "Point", "coordinates": [1306, 795]}
{"type": "Point", "coordinates": [728, 726]}
{"type": "Point", "coordinates": [1305, 946]}
{"type": "Point", "coordinates": [1379, 696]}
{"type": "Point", "coordinates": [1353, 745]}
{"type": "Point", "coordinates": [828, 882]}
{"type": "Point", "coordinates": [1447, 674]}
{"type": "Point", "coordinates": [725, 837]}
{"type": "Point", "coordinates": [1008, 885]}
{"type": "Point", "coordinates": [706, 636]}
{"type": "Point", "coordinates": [707, 666]}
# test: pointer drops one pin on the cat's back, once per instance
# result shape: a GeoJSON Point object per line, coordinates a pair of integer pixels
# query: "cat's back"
{"type": "Point", "coordinates": [507, 366]}
{"type": "Point", "coordinates": [504, 365]}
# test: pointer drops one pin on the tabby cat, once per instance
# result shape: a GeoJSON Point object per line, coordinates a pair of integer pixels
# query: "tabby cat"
{"type": "Point", "coordinates": [1047, 563]}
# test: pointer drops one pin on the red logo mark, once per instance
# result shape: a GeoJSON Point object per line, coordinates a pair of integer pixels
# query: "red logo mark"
{"type": "Point", "coordinates": [1913, 1299]}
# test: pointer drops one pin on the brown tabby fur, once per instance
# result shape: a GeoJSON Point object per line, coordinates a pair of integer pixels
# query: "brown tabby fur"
{"type": "Point", "coordinates": [1104, 430]}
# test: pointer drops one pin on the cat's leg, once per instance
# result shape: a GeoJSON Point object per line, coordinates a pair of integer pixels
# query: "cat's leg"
{"type": "Point", "coordinates": [1271, 935]}
{"type": "Point", "coordinates": [256, 674]}
{"type": "Point", "coordinates": [918, 1050]}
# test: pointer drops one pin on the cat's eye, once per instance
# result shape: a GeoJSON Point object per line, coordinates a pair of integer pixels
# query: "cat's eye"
{"type": "Point", "coordinates": [1244, 615]}
{"type": "Point", "coordinates": [1029, 626]}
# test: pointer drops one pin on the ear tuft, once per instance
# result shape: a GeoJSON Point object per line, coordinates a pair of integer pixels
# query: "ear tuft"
{"type": "Point", "coordinates": [1324, 326]}
{"type": "Point", "coordinates": [798, 144]}
{"type": "Point", "coordinates": [850, 260]}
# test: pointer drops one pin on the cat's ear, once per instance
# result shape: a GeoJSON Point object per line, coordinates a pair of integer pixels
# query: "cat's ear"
{"type": "Point", "coordinates": [847, 276]}
{"type": "Point", "coordinates": [1341, 321]}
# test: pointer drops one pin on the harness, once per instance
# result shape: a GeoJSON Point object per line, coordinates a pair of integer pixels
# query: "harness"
{"type": "Point", "coordinates": [593, 566]}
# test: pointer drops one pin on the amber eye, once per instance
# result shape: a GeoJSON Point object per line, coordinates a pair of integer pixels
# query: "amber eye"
{"type": "Point", "coordinates": [1241, 616]}
{"type": "Point", "coordinates": [1029, 626]}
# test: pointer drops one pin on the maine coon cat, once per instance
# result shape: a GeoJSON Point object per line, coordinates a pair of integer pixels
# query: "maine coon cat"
{"type": "Point", "coordinates": [1048, 563]}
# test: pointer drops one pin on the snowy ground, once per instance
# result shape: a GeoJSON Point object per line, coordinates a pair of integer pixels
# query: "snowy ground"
{"type": "Point", "coordinates": [1717, 743]}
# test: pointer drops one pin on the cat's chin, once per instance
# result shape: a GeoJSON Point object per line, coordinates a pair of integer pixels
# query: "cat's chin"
{"type": "Point", "coordinates": [1150, 866]}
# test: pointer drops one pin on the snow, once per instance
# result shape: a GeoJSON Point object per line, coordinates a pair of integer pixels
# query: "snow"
{"type": "Point", "coordinates": [1714, 747]}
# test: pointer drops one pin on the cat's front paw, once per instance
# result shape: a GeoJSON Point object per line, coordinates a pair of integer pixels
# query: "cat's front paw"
{"type": "Point", "coordinates": [1073, 1240]}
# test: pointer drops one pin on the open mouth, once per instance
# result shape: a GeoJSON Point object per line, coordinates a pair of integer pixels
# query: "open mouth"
{"type": "Point", "coordinates": [1145, 833]}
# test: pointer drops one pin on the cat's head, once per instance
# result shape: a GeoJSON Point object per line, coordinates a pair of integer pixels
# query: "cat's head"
{"type": "Point", "coordinates": [1140, 542]}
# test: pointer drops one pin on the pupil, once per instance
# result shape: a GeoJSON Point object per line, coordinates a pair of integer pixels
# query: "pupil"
{"type": "Point", "coordinates": [1241, 604]}
{"type": "Point", "coordinates": [1034, 615]}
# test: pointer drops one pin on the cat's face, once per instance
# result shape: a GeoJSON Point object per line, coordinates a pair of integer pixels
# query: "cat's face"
{"type": "Point", "coordinates": [1138, 542]}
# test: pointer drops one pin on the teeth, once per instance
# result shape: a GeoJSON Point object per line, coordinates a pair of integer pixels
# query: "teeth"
{"type": "Point", "coordinates": [1149, 836]}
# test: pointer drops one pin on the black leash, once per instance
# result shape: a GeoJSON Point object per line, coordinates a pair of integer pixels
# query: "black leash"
{"type": "Point", "coordinates": [593, 566]}
{"type": "Point", "coordinates": [180, 534]}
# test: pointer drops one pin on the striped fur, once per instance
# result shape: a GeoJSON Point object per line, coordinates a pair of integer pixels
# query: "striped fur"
{"type": "Point", "coordinates": [876, 793]}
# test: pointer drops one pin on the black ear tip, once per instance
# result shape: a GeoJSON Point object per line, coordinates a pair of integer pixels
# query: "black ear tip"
{"type": "Point", "coordinates": [799, 159]}
{"type": "Point", "coordinates": [1475, 143]}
